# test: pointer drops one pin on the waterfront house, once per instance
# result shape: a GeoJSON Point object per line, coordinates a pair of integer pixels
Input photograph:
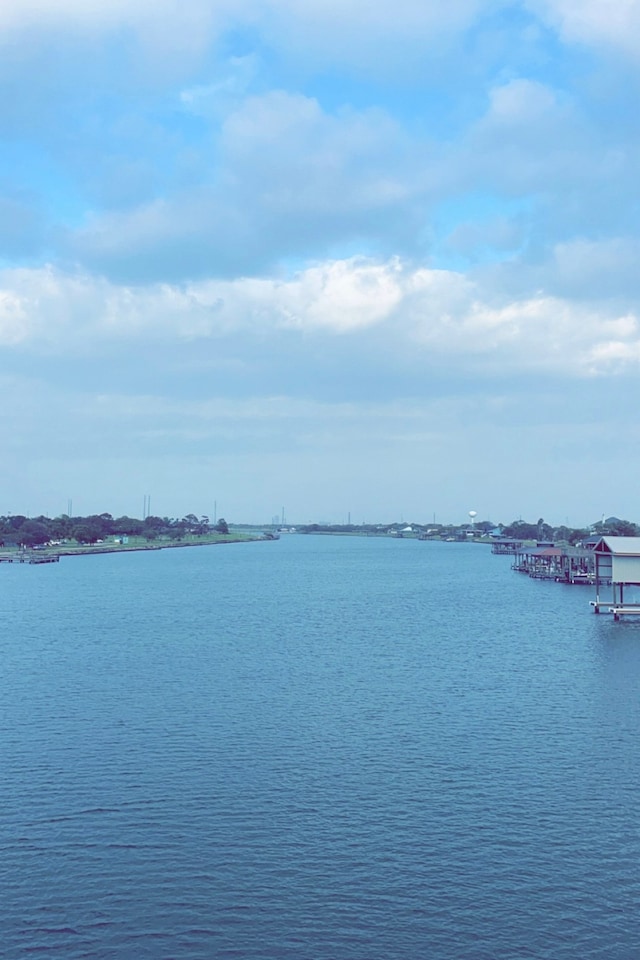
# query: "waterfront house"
{"type": "Point", "coordinates": [618, 563]}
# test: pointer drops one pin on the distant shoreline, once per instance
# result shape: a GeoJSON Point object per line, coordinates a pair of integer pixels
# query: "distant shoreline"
{"type": "Point", "coordinates": [123, 548]}
{"type": "Point", "coordinates": [98, 549]}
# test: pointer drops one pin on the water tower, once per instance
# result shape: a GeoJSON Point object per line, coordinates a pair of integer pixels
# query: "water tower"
{"type": "Point", "coordinates": [473, 514]}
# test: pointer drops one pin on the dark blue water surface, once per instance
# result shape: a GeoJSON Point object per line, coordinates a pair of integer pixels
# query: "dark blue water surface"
{"type": "Point", "coordinates": [324, 748]}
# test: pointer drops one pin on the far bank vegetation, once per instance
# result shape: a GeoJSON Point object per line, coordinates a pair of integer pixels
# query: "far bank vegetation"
{"type": "Point", "coordinates": [34, 532]}
{"type": "Point", "coordinates": [483, 530]}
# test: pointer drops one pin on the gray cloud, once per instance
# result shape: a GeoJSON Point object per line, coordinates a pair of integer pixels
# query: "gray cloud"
{"type": "Point", "coordinates": [291, 181]}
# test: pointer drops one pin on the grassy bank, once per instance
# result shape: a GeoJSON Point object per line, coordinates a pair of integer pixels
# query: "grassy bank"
{"type": "Point", "coordinates": [73, 549]}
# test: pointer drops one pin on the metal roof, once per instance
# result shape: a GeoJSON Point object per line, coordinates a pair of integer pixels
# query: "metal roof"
{"type": "Point", "coordinates": [619, 546]}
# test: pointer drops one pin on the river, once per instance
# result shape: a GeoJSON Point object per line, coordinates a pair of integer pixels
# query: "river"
{"type": "Point", "coordinates": [320, 748]}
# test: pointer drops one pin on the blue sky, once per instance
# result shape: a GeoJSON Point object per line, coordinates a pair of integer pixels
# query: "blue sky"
{"type": "Point", "coordinates": [341, 258]}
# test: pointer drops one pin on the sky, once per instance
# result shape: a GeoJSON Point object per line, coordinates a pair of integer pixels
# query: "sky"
{"type": "Point", "coordinates": [323, 257]}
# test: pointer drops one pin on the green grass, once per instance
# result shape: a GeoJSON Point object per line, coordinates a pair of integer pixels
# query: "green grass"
{"type": "Point", "coordinates": [138, 543]}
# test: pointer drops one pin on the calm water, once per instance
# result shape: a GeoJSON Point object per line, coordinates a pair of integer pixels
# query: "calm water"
{"type": "Point", "coordinates": [319, 748]}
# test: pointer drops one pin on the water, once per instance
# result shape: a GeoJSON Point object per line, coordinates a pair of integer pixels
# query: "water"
{"type": "Point", "coordinates": [319, 748]}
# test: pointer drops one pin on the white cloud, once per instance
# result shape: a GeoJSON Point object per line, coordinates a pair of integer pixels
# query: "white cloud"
{"type": "Point", "coordinates": [616, 353]}
{"type": "Point", "coordinates": [519, 102]}
{"type": "Point", "coordinates": [382, 38]}
{"type": "Point", "coordinates": [350, 27]}
{"type": "Point", "coordinates": [596, 22]}
{"type": "Point", "coordinates": [224, 91]}
{"type": "Point", "coordinates": [342, 296]}
{"type": "Point", "coordinates": [441, 315]}
{"type": "Point", "coordinates": [171, 17]}
{"type": "Point", "coordinates": [14, 319]}
{"type": "Point", "coordinates": [287, 179]}
{"type": "Point", "coordinates": [296, 153]}
{"type": "Point", "coordinates": [405, 15]}
{"type": "Point", "coordinates": [597, 269]}
{"type": "Point", "coordinates": [530, 139]}
{"type": "Point", "coordinates": [324, 24]}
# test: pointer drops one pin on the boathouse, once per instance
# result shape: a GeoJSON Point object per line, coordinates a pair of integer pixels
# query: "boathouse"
{"type": "Point", "coordinates": [502, 545]}
{"type": "Point", "coordinates": [618, 563]}
{"type": "Point", "coordinates": [564, 564]}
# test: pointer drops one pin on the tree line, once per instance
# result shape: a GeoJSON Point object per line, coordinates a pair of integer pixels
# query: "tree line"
{"type": "Point", "coordinates": [32, 532]}
{"type": "Point", "coordinates": [612, 527]}
{"type": "Point", "coordinates": [516, 530]}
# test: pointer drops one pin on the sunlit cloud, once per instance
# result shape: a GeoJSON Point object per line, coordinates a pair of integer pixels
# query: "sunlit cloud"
{"type": "Point", "coordinates": [440, 312]}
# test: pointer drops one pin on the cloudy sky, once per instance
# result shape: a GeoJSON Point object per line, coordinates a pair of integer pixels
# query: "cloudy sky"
{"type": "Point", "coordinates": [323, 255]}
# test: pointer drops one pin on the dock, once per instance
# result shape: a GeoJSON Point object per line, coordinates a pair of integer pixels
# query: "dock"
{"type": "Point", "coordinates": [618, 610]}
{"type": "Point", "coordinates": [29, 556]}
{"type": "Point", "coordinates": [501, 546]}
{"type": "Point", "coordinates": [572, 565]}
{"type": "Point", "coordinates": [621, 611]}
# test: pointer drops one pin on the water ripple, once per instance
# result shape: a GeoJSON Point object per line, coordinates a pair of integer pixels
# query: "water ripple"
{"type": "Point", "coordinates": [333, 749]}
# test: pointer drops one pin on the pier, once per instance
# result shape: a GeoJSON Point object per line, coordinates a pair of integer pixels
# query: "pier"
{"type": "Point", "coordinates": [502, 546]}
{"type": "Point", "coordinates": [29, 556]}
{"type": "Point", "coordinates": [573, 565]}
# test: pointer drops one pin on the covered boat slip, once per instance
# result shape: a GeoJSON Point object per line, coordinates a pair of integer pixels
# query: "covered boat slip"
{"type": "Point", "coordinates": [501, 546]}
{"type": "Point", "coordinates": [617, 562]}
{"type": "Point", "coordinates": [563, 564]}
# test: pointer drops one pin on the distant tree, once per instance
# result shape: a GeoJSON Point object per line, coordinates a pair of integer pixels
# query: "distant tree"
{"type": "Point", "coordinates": [156, 523]}
{"type": "Point", "coordinates": [15, 522]}
{"type": "Point", "coordinates": [152, 527]}
{"type": "Point", "coordinates": [519, 530]}
{"type": "Point", "coordinates": [176, 529]}
{"type": "Point", "coordinates": [484, 525]}
{"type": "Point", "coordinates": [107, 524]}
{"type": "Point", "coordinates": [190, 523]}
{"type": "Point", "coordinates": [562, 533]}
{"type": "Point", "coordinates": [222, 526]}
{"type": "Point", "coordinates": [60, 527]}
{"type": "Point", "coordinates": [33, 533]}
{"type": "Point", "coordinates": [621, 528]}
{"type": "Point", "coordinates": [571, 534]}
{"type": "Point", "coordinates": [544, 531]}
{"type": "Point", "coordinates": [128, 526]}
{"type": "Point", "coordinates": [102, 523]}
{"type": "Point", "coordinates": [86, 532]}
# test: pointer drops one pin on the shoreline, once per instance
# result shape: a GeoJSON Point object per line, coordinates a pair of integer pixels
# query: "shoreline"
{"type": "Point", "coordinates": [98, 549]}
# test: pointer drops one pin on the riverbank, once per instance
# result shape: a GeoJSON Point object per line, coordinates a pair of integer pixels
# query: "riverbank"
{"type": "Point", "coordinates": [135, 544]}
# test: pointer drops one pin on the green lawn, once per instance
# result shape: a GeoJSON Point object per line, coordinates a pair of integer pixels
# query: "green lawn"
{"type": "Point", "coordinates": [139, 543]}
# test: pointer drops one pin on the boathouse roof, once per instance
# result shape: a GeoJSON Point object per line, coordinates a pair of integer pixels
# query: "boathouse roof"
{"type": "Point", "coordinates": [618, 546]}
